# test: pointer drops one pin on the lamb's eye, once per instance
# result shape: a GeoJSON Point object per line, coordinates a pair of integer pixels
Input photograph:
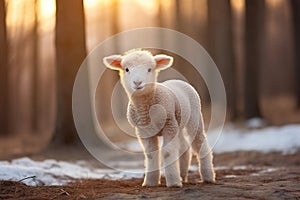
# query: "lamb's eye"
{"type": "Point", "coordinates": [126, 69]}
{"type": "Point", "coordinates": [149, 70]}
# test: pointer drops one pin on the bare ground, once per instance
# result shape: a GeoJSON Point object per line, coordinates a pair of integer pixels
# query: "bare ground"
{"type": "Point", "coordinates": [267, 176]}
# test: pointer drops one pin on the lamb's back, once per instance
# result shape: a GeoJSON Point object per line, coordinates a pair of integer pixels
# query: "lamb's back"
{"type": "Point", "coordinates": [187, 96]}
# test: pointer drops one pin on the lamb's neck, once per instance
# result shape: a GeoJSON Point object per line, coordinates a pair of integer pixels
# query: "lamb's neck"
{"type": "Point", "coordinates": [141, 99]}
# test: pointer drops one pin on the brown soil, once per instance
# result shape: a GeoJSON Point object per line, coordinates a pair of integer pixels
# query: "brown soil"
{"type": "Point", "coordinates": [253, 182]}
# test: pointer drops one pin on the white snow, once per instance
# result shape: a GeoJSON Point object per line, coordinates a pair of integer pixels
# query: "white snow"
{"type": "Point", "coordinates": [255, 123]}
{"type": "Point", "coordinates": [284, 139]}
{"type": "Point", "coordinates": [52, 172]}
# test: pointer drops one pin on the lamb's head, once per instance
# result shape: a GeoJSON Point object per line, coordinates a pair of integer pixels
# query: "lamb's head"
{"type": "Point", "coordinates": [137, 68]}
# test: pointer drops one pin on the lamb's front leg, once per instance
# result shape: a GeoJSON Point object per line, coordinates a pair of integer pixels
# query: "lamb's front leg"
{"type": "Point", "coordinates": [152, 164]}
{"type": "Point", "coordinates": [170, 154]}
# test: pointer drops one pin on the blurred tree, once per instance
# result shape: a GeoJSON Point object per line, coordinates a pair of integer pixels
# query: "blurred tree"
{"type": "Point", "coordinates": [199, 21]}
{"type": "Point", "coordinates": [115, 20]}
{"type": "Point", "coordinates": [4, 90]}
{"type": "Point", "coordinates": [254, 36]}
{"type": "Point", "coordinates": [70, 52]}
{"type": "Point", "coordinates": [160, 16]}
{"type": "Point", "coordinates": [295, 6]}
{"type": "Point", "coordinates": [109, 77]}
{"type": "Point", "coordinates": [34, 60]}
{"type": "Point", "coordinates": [221, 47]}
{"type": "Point", "coordinates": [179, 21]}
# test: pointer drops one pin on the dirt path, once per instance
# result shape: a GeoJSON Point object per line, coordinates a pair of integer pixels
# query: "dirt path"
{"type": "Point", "coordinates": [268, 176]}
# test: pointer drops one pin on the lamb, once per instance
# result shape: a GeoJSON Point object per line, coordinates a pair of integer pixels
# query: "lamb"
{"type": "Point", "coordinates": [171, 109]}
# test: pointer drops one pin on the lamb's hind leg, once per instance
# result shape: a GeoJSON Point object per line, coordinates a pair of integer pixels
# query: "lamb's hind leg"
{"type": "Point", "coordinates": [203, 153]}
{"type": "Point", "coordinates": [152, 161]}
{"type": "Point", "coordinates": [204, 157]}
{"type": "Point", "coordinates": [185, 157]}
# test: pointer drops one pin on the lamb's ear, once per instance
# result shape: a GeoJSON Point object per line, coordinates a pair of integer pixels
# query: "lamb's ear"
{"type": "Point", "coordinates": [163, 61]}
{"type": "Point", "coordinates": [113, 62]}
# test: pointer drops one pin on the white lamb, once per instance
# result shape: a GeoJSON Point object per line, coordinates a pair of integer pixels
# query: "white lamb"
{"type": "Point", "coordinates": [170, 109]}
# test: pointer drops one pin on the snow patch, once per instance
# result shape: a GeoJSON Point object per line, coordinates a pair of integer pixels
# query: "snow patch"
{"type": "Point", "coordinates": [230, 176]}
{"type": "Point", "coordinates": [285, 139]}
{"type": "Point", "coordinates": [256, 123]}
{"type": "Point", "coordinates": [52, 172]}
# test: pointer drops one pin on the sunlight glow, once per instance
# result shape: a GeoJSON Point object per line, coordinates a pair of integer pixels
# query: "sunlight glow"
{"type": "Point", "coordinates": [150, 6]}
{"type": "Point", "coordinates": [47, 8]}
{"type": "Point", "coordinates": [238, 5]}
{"type": "Point", "coordinates": [21, 12]}
{"type": "Point", "coordinates": [12, 13]}
{"type": "Point", "coordinates": [91, 3]}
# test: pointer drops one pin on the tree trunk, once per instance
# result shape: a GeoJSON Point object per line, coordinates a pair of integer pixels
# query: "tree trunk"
{"type": "Point", "coordinates": [4, 90]}
{"type": "Point", "coordinates": [160, 18]}
{"type": "Point", "coordinates": [35, 83]}
{"type": "Point", "coordinates": [295, 7]}
{"type": "Point", "coordinates": [70, 52]}
{"type": "Point", "coordinates": [221, 48]}
{"type": "Point", "coordinates": [255, 16]}
{"type": "Point", "coordinates": [109, 77]}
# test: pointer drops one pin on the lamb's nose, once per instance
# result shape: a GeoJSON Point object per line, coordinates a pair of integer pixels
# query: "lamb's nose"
{"type": "Point", "coordinates": [137, 83]}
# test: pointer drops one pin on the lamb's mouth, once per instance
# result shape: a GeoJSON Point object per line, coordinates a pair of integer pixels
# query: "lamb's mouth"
{"type": "Point", "coordinates": [139, 88]}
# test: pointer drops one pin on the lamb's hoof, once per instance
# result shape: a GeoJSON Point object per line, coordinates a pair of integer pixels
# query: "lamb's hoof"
{"type": "Point", "coordinates": [185, 179]}
{"type": "Point", "coordinates": [150, 184]}
{"type": "Point", "coordinates": [209, 177]}
{"type": "Point", "coordinates": [175, 185]}
{"type": "Point", "coordinates": [209, 181]}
